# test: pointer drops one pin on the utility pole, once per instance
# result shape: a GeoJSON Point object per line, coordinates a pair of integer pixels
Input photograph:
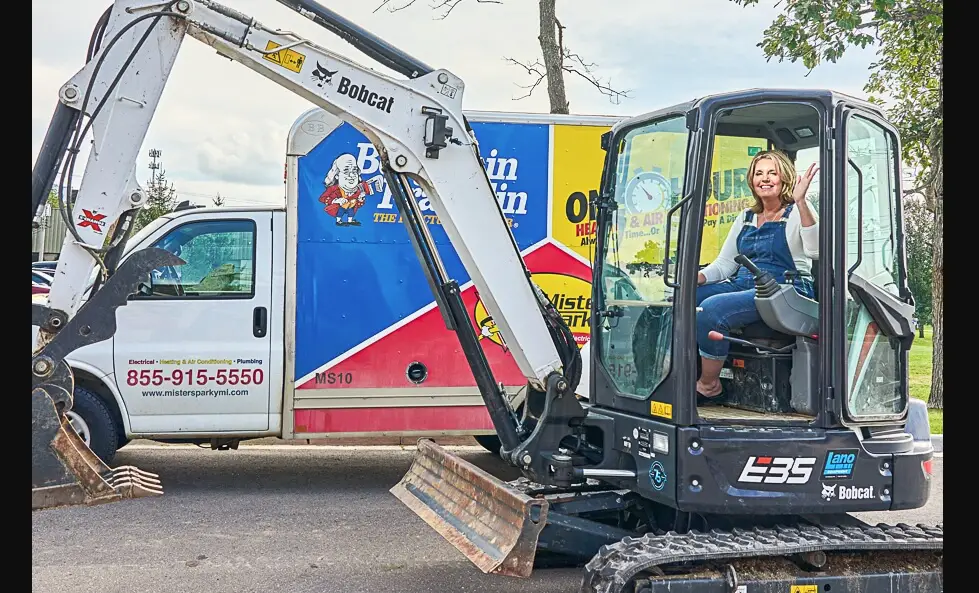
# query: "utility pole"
{"type": "Point", "coordinates": [154, 165]}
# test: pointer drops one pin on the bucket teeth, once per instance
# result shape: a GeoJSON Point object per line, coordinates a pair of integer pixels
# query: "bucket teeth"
{"type": "Point", "coordinates": [132, 470]}
{"type": "Point", "coordinates": [132, 482]}
{"type": "Point", "coordinates": [67, 473]}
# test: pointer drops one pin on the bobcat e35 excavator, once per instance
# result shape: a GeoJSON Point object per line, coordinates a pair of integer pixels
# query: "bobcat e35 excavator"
{"type": "Point", "coordinates": [637, 482]}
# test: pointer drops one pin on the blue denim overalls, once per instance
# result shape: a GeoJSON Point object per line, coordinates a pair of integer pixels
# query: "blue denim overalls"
{"type": "Point", "coordinates": [730, 303]}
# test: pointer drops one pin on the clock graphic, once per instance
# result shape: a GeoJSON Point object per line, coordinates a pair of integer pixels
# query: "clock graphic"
{"type": "Point", "coordinates": [647, 192]}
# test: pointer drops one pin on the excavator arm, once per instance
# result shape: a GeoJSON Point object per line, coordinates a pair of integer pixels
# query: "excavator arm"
{"type": "Point", "coordinates": [417, 126]}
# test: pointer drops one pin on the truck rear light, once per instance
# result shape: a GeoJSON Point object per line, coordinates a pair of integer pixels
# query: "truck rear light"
{"type": "Point", "coordinates": [926, 467]}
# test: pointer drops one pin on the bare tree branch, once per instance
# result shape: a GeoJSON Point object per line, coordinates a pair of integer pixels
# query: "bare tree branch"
{"type": "Point", "coordinates": [386, 2]}
{"type": "Point", "coordinates": [573, 64]}
{"type": "Point", "coordinates": [447, 4]}
{"type": "Point", "coordinates": [585, 72]}
{"type": "Point", "coordinates": [560, 34]}
{"type": "Point", "coordinates": [557, 58]}
{"type": "Point", "coordinates": [534, 68]}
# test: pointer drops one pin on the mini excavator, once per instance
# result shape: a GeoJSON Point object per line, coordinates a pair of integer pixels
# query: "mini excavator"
{"type": "Point", "coordinates": [635, 481]}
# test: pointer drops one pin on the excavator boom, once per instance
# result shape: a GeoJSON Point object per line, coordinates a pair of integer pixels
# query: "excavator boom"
{"type": "Point", "coordinates": [415, 123]}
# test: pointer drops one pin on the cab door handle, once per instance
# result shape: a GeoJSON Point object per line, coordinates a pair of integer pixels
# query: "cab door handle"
{"type": "Point", "coordinates": [260, 323]}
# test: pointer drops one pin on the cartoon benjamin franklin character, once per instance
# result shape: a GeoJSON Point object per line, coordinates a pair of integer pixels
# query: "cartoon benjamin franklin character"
{"type": "Point", "coordinates": [345, 193]}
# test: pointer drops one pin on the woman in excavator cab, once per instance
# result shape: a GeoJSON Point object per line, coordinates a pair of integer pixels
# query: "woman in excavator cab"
{"type": "Point", "coordinates": [780, 235]}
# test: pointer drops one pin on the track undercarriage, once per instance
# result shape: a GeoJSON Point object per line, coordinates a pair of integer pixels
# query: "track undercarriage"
{"type": "Point", "coordinates": [760, 553]}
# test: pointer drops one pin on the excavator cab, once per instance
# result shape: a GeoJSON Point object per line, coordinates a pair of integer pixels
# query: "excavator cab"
{"type": "Point", "coordinates": [676, 184]}
{"type": "Point", "coordinates": [650, 490]}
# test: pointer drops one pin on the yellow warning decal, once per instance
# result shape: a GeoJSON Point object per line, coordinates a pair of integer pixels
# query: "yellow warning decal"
{"type": "Point", "coordinates": [289, 59]}
{"type": "Point", "coordinates": [661, 409]}
{"type": "Point", "coordinates": [804, 589]}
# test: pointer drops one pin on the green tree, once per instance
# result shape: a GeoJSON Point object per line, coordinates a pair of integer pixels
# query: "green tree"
{"type": "Point", "coordinates": [161, 198]}
{"type": "Point", "coordinates": [907, 79]}
{"type": "Point", "coordinates": [557, 58]}
{"type": "Point", "coordinates": [919, 232]}
{"type": "Point", "coordinates": [39, 215]}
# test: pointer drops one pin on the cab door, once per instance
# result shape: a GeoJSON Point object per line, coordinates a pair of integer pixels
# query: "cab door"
{"type": "Point", "coordinates": [192, 348]}
{"type": "Point", "coordinates": [873, 326]}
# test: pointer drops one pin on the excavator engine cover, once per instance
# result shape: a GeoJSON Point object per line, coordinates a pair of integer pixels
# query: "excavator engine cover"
{"type": "Point", "coordinates": [496, 527]}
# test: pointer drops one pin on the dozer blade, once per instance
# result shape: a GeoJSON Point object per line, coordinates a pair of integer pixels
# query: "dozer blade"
{"type": "Point", "coordinates": [65, 472]}
{"type": "Point", "coordinates": [492, 525]}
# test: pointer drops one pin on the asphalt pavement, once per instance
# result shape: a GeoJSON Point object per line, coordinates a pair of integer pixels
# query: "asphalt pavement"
{"type": "Point", "coordinates": [268, 519]}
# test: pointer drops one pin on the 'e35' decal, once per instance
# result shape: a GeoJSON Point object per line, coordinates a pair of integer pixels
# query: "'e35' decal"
{"type": "Point", "coordinates": [777, 470]}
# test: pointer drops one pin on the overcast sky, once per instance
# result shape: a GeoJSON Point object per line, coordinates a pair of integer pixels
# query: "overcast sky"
{"type": "Point", "coordinates": [222, 128]}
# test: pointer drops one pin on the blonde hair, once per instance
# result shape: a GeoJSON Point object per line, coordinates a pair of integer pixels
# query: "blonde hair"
{"type": "Point", "coordinates": [786, 172]}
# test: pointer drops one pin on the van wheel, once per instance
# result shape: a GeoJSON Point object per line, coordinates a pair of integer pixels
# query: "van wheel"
{"type": "Point", "coordinates": [93, 422]}
{"type": "Point", "coordinates": [490, 442]}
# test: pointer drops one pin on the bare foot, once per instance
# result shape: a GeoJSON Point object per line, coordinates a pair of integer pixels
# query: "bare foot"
{"type": "Point", "coordinates": [709, 390]}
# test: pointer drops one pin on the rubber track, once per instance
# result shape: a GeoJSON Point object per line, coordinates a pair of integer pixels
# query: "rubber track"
{"type": "Point", "coordinates": [615, 565]}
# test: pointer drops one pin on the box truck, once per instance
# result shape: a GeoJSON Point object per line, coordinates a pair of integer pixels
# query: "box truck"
{"type": "Point", "coordinates": [313, 319]}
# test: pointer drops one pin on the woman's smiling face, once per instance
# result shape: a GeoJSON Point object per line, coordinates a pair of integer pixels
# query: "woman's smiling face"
{"type": "Point", "coordinates": [766, 180]}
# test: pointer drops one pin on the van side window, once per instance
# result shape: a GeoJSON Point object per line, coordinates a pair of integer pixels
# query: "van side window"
{"type": "Point", "coordinates": [220, 261]}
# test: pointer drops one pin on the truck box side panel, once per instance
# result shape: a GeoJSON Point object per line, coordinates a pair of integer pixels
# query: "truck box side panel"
{"type": "Point", "coordinates": [372, 354]}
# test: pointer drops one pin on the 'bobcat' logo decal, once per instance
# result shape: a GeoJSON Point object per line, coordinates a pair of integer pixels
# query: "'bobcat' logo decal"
{"type": "Point", "coordinates": [829, 491]}
{"type": "Point", "coordinates": [323, 76]}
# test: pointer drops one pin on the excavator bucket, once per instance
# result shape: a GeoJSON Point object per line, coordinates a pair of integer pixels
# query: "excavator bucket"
{"type": "Point", "coordinates": [65, 472]}
{"type": "Point", "coordinates": [494, 526]}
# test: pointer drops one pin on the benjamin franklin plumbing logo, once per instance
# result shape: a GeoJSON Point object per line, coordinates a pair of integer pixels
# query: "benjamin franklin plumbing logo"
{"type": "Point", "coordinates": [92, 219]}
{"type": "Point", "coordinates": [500, 168]}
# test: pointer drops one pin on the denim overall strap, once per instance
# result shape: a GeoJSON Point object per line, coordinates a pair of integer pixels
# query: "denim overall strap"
{"type": "Point", "coordinates": [768, 248]}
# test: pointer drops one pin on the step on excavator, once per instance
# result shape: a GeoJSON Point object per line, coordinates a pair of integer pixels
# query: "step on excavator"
{"type": "Point", "coordinates": [630, 476]}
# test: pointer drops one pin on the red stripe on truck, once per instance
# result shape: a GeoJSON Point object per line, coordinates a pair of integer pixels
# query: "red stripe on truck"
{"type": "Point", "coordinates": [339, 420]}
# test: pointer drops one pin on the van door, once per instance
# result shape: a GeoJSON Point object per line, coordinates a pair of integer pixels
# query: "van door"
{"type": "Point", "coordinates": [191, 352]}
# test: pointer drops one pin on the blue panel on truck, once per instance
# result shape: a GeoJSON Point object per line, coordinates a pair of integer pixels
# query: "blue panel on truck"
{"type": "Point", "coordinates": [357, 277]}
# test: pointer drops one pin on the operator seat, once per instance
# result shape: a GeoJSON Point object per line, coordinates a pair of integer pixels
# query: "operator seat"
{"type": "Point", "coordinates": [761, 331]}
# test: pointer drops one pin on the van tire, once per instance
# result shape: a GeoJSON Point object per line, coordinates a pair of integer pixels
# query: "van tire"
{"type": "Point", "coordinates": [490, 442]}
{"type": "Point", "coordinates": [104, 437]}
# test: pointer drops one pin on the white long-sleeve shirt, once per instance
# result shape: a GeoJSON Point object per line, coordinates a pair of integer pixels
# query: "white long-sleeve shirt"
{"type": "Point", "coordinates": [803, 244]}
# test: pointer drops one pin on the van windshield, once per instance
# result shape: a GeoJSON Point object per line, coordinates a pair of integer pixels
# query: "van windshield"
{"type": "Point", "coordinates": [144, 232]}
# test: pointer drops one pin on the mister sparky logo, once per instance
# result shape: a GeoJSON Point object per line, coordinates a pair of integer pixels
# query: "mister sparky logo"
{"type": "Point", "coordinates": [571, 297]}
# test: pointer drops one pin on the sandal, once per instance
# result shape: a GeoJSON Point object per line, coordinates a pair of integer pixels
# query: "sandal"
{"type": "Point", "coordinates": [706, 400]}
